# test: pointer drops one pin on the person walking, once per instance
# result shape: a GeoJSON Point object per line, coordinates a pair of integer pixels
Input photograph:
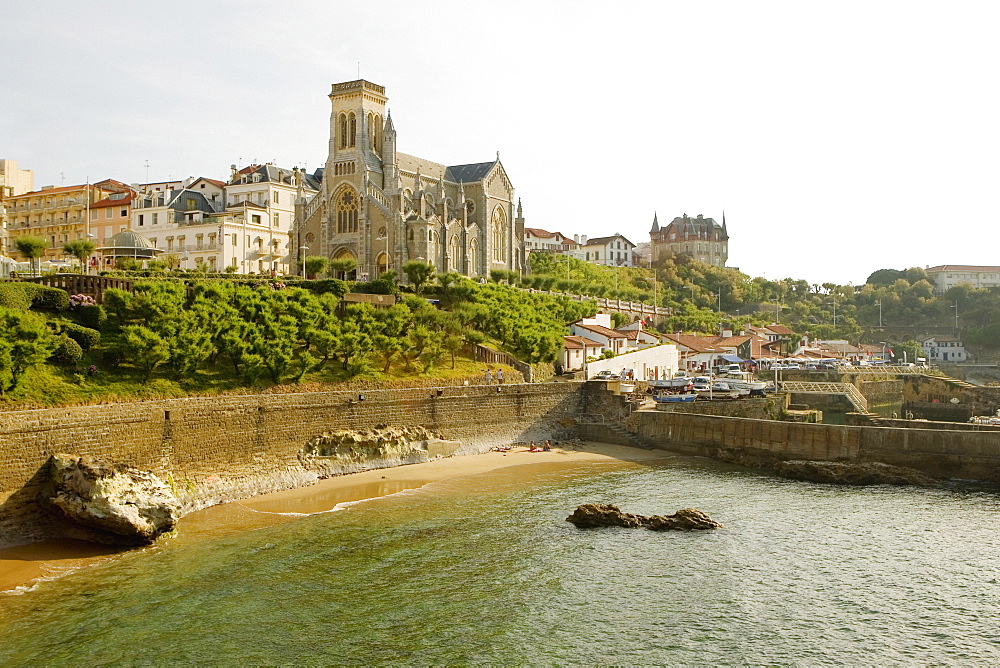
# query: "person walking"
{"type": "Point", "coordinates": [499, 376]}
{"type": "Point", "coordinates": [489, 376]}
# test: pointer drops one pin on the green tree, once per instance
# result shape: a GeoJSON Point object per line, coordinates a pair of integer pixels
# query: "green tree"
{"type": "Point", "coordinates": [81, 249]}
{"type": "Point", "coordinates": [144, 348]}
{"type": "Point", "coordinates": [25, 342]}
{"type": "Point", "coordinates": [418, 273]}
{"type": "Point", "coordinates": [32, 248]}
{"type": "Point", "coordinates": [315, 264]}
{"type": "Point", "coordinates": [341, 267]}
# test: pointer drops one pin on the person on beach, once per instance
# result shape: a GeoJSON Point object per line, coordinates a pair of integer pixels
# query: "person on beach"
{"type": "Point", "coordinates": [489, 376]}
{"type": "Point", "coordinates": [533, 448]}
{"type": "Point", "coordinates": [499, 376]}
{"type": "Point", "coordinates": [547, 447]}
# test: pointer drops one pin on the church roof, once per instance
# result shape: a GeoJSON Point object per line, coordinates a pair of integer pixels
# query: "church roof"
{"type": "Point", "coordinates": [469, 173]}
{"type": "Point", "coordinates": [656, 225]}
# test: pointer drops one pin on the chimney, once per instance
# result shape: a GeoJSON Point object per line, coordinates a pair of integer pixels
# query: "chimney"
{"type": "Point", "coordinates": [583, 239]}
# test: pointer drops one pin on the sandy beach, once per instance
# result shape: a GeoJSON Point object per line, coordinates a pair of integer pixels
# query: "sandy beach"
{"type": "Point", "coordinates": [23, 564]}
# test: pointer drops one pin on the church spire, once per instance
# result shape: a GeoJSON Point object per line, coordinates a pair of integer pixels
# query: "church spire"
{"type": "Point", "coordinates": [656, 225]}
{"type": "Point", "coordinates": [724, 230]}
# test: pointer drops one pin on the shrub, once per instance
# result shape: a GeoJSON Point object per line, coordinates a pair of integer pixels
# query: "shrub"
{"type": "Point", "coordinates": [334, 286]}
{"type": "Point", "coordinates": [81, 300]}
{"type": "Point", "coordinates": [50, 299]}
{"type": "Point", "coordinates": [16, 296]}
{"type": "Point", "coordinates": [94, 317]}
{"type": "Point", "coordinates": [85, 336]}
{"type": "Point", "coordinates": [67, 353]}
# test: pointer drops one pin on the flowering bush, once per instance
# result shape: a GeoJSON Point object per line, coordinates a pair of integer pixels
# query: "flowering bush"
{"type": "Point", "coordinates": [278, 286]}
{"type": "Point", "coordinates": [82, 300]}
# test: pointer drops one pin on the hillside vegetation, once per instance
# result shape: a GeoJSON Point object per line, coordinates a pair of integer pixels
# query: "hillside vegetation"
{"type": "Point", "coordinates": [171, 338]}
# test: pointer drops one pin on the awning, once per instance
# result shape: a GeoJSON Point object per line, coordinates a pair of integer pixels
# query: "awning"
{"type": "Point", "coordinates": [732, 359]}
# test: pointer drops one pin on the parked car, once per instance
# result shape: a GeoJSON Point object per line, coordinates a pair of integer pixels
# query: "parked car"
{"type": "Point", "coordinates": [605, 375]}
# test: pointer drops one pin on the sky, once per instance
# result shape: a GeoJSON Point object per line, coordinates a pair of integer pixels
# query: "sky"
{"type": "Point", "coordinates": [838, 138]}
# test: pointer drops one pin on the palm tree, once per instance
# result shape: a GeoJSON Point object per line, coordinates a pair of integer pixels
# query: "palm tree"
{"type": "Point", "coordinates": [81, 249]}
{"type": "Point", "coordinates": [31, 248]}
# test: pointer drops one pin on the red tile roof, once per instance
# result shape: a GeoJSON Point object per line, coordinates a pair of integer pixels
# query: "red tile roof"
{"type": "Point", "coordinates": [579, 342]}
{"type": "Point", "coordinates": [603, 331]}
{"type": "Point", "coordinates": [961, 267]}
{"type": "Point", "coordinates": [107, 201]}
{"type": "Point", "coordinates": [779, 329]}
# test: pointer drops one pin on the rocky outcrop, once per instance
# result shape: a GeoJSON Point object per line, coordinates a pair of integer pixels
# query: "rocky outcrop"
{"type": "Point", "coordinates": [348, 450]}
{"type": "Point", "coordinates": [591, 515]}
{"type": "Point", "coordinates": [109, 502]}
{"type": "Point", "coordinates": [870, 473]}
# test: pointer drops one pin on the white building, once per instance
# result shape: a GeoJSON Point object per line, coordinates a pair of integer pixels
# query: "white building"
{"type": "Point", "coordinates": [244, 225]}
{"type": "Point", "coordinates": [613, 251]}
{"type": "Point", "coordinates": [947, 276]}
{"type": "Point", "coordinates": [536, 239]}
{"type": "Point", "coordinates": [599, 329]}
{"type": "Point", "coordinates": [944, 349]}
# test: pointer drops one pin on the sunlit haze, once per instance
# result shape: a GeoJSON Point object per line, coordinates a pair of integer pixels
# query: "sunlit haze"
{"type": "Point", "coordinates": [838, 138]}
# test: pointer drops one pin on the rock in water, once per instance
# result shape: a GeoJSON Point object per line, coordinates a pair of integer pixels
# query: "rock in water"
{"type": "Point", "coordinates": [685, 519]}
{"type": "Point", "coordinates": [602, 515]}
{"type": "Point", "coordinates": [868, 473]}
{"type": "Point", "coordinates": [123, 505]}
{"type": "Point", "coordinates": [606, 515]}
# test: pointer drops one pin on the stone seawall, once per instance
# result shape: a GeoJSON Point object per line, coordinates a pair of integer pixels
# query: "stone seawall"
{"type": "Point", "coordinates": [213, 449]}
{"type": "Point", "coordinates": [942, 452]}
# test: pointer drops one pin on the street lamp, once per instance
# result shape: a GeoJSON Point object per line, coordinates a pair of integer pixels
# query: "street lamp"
{"type": "Point", "coordinates": [955, 306]}
{"type": "Point", "coordinates": [89, 255]}
{"type": "Point", "coordinates": [564, 259]}
{"type": "Point", "coordinates": [302, 258]}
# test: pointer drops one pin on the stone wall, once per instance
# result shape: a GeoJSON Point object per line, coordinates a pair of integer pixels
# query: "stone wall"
{"type": "Point", "coordinates": [214, 449]}
{"type": "Point", "coordinates": [938, 452]}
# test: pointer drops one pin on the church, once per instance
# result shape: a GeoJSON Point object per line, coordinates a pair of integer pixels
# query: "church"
{"type": "Point", "coordinates": [383, 208]}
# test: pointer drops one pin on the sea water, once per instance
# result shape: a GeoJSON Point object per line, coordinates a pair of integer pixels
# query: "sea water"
{"type": "Point", "coordinates": [485, 569]}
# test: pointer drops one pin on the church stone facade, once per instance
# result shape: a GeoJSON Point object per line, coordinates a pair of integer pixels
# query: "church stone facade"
{"type": "Point", "coordinates": [700, 238]}
{"type": "Point", "coordinates": [384, 208]}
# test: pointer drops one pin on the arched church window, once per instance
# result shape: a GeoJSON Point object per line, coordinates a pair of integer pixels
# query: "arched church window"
{"type": "Point", "coordinates": [423, 234]}
{"type": "Point", "coordinates": [343, 131]}
{"type": "Point", "coordinates": [353, 130]}
{"type": "Point", "coordinates": [455, 263]}
{"type": "Point", "coordinates": [377, 133]}
{"type": "Point", "coordinates": [499, 235]}
{"type": "Point", "coordinates": [473, 257]}
{"type": "Point", "coordinates": [411, 234]}
{"type": "Point", "coordinates": [347, 211]}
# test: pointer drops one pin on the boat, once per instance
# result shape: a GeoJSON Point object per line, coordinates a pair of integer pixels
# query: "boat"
{"type": "Point", "coordinates": [675, 398]}
{"type": "Point", "coordinates": [669, 383]}
{"type": "Point", "coordinates": [743, 380]}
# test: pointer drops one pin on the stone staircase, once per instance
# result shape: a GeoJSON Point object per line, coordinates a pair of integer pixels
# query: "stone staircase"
{"type": "Point", "coordinates": [955, 382]}
{"type": "Point", "coordinates": [610, 432]}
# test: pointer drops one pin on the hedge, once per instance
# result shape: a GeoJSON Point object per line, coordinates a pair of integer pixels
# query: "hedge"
{"type": "Point", "coordinates": [22, 296]}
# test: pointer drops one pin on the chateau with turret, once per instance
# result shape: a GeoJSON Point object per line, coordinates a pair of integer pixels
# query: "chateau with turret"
{"type": "Point", "coordinates": [700, 238]}
{"type": "Point", "coordinates": [384, 208]}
